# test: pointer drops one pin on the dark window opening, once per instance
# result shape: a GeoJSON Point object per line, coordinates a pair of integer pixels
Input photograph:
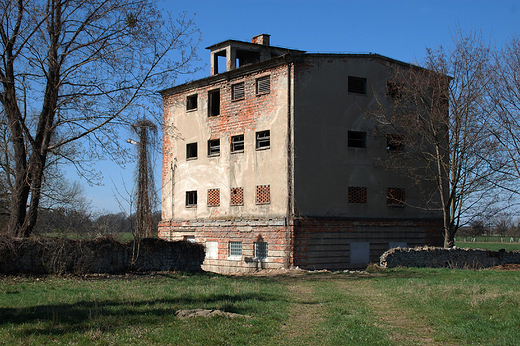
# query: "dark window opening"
{"type": "Point", "coordinates": [357, 194]}
{"type": "Point", "coordinates": [237, 143]}
{"type": "Point", "coordinates": [220, 62]}
{"type": "Point", "coordinates": [357, 139]}
{"type": "Point", "coordinates": [263, 85]}
{"type": "Point", "coordinates": [357, 85]}
{"type": "Point", "coordinates": [245, 57]}
{"type": "Point", "coordinates": [393, 90]}
{"type": "Point", "coordinates": [191, 151]}
{"type": "Point", "coordinates": [263, 139]}
{"type": "Point", "coordinates": [395, 197]}
{"type": "Point", "coordinates": [214, 103]}
{"type": "Point", "coordinates": [191, 102]}
{"type": "Point", "coordinates": [191, 198]}
{"type": "Point", "coordinates": [214, 147]}
{"type": "Point", "coordinates": [237, 91]}
{"type": "Point", "coordinates": [394, 142]}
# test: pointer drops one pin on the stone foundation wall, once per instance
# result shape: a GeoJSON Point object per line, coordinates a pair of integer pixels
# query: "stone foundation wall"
{"type": "Point", "coordinates": [447, 258]}
{"type": "Point", "coordinates": [101, 255]}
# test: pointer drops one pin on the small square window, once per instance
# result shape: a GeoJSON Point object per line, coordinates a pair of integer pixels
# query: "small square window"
{"type": "Point", "coordinates": [261, 250]}
{"type": "Point", "coordinates": [263, 85]}
{"type": "Point", "coordinates": [263, 139]}
{"type": "Point", "coordinates": [235, 248]}
{"type": "Point", "coordinates": [214, 147]}
{"type": "Point", "coordinates": [191, 199]}
{"type": "Point", "coordinates": [191, 151]}
{"type": "Point", "coordinates": [357, 139]}
{"type": "Point", "coordinates": [237, 196]}
{"type": "Point", "coordinates": [237, 91]}
{"type": "Point", "coordinates": [357, 85]}
{"type": "Point", "coordinates": [237, 143]}
{"type": "Point", "coordinates": [393, 90]}
{"type": "Point", "coordinates": [395, 197]}
{"type": "Point", "coordinates": [263, 194]}
{"type": "Point", "coordinates": [191, 102]}
{"type": "Point", "coordinates": [357, 194]}
{"type": "Point", "coordinates": [214, 103]}
{"type": "Point", "coordinates": [213, 197]}
{"type": "Point", "coordinates": [394, 142]}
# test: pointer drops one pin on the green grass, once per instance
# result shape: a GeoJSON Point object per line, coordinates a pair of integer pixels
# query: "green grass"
{"type": "Point", "coordinates": [391, 307]}
{"type": "Point", "coordinates": [489, 246]}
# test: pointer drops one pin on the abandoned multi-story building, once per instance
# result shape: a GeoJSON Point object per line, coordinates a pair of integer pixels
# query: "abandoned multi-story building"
{"type": "Point", "coordinates": [271, 162]}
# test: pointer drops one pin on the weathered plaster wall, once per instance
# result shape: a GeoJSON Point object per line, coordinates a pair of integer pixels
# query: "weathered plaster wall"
{"type": "Point", "coordinates": [325, 166]}
{"type": "Point", "coordinates": [447, 258]}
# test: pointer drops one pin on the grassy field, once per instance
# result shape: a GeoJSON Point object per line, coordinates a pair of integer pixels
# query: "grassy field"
{"type": "Point", "coordinates": [489, 246]}
{"type": "Point", "coordinates": [391, 307]}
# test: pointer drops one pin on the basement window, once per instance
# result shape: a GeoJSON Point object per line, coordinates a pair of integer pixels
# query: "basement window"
{"type": "Point", "coordinates": [191, 151]}
{"type": "Point", "coordinates": [263, 85]}
{"type": "Point", "coordinates": [214, 147]}
{"type": "Point", "coordinates": [213, 197]}
{"type": "Point", "coordinates": [357, 139]}
{"type": "Point", "coordinates": [237, 196]}
{"type": "Point", "coordinates": [191, 102]}
{"type": "Point", "coordinates": [235, 249]}
{"type": "Point", "coordinates": [237, 144]}
{"type": "Point", "coordinates": [395, 197]}
{"type": "Point", "coordinates": [263, 139]}
{"type": "Point", "coordinates": [394, 142]}
{"type": "Point", "coordinates": [357, 85]}
{"type": "Point", "coordinates": [357, 194]}
{"type": "Point", "coordinates": [191, 199]}
{"type": "Point", "coordinates": [214, 103]}
{"type": "Point", "coordinates": [260, 250]}
{"type": "Point", "coordinates": [237, 91]}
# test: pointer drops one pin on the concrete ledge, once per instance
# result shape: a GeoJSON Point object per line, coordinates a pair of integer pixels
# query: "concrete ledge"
{"type": "Point", "coordinates": [435, 257]}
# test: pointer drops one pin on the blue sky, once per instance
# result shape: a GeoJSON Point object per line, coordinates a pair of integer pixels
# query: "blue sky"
{"type": "Point", "coordinates": [398, 29]}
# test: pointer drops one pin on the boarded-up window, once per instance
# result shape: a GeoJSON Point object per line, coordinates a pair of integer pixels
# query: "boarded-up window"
{"type": "Point", "coordinates": [395, 197]}
{"type": "Point", "coordinates": [357, 85]}
{"type": "Point", "coordinates": [212, 249]}
{"type": "Point", "coordinates": [213, 197]}
{"type": "Point", "coordinates": [357, 194]}
{"type": "Point", "coordinates": [263, 85]}
{"type": "Point", "coordinates": [263, 194]}
{"type": "Point", "coordinates": [237, 196]}
{"type": "Point", "coordinates": [237, 91]}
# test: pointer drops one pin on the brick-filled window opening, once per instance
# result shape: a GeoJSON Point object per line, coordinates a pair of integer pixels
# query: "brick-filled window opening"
{"type": "Point", "coordinates": [214, 147]}
{"type": "Point", "coordinates": [357, 194]}
{"type": "Point", "coordinates": [263, 139]}
{"type": "Point", "coordinates": [238, 91]}
{"type": "Point", "coordinates": [237, 196]}
{"type": "Point", "coordinates": [357, 139]}
{"type": "Point", "coordinates": [191, 199]}
{"type": "Point", "coordinates": [213, 197]}
{"type": "Point", "coordinates": [394, 142]}
{"type": "Point", "coordinates": [214, 103]}
{"type": "Point", "coordinates": [237, 143]}
{"type": "Point", "coordinates": [357, 85]}
{"type": "Point", "coordinates": [191, 151]}
{"type": "Point", "coordinates": [395, 197]}
{"type": "Point", "coordinates": [263, 194]}
{"type": "Point", "coordinates": [263, 85]}
{"type": "Point", "coordinates": [191, 102]}
{"type": "Point", "coordinates": [235, 248]}
{"type": "Point", "coordinates": [260, 250]}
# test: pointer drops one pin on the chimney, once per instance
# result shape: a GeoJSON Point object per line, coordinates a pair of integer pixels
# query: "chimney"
{"type": "Point", "coordinates": [262, 39]}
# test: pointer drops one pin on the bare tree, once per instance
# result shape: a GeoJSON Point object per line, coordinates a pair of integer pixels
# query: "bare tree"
{"type": "Point", "coordinates": [439, 116]}
{"type": "Point", "coordinates": [72, 72]}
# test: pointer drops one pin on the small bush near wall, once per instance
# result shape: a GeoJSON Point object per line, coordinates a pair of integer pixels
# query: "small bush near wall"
{"type": "Point", "coordinates": [432, 257]}
{"type": "Point", "coordinates": [100, 255]}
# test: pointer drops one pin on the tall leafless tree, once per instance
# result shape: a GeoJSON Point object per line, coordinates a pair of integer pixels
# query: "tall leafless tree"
{"type": "Point", "coordinates": [440, 114]}
{"type": "Point", "coordinates": [72, 71]}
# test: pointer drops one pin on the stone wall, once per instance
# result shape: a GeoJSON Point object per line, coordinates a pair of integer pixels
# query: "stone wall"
{"type": "Point", "coordinates": [433, 257]}
{"type": "Point", "coordinates": [100, 255]}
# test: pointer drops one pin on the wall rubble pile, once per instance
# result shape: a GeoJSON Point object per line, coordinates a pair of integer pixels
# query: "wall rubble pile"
{"type": "Point", "coordinates": [434, 257]}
